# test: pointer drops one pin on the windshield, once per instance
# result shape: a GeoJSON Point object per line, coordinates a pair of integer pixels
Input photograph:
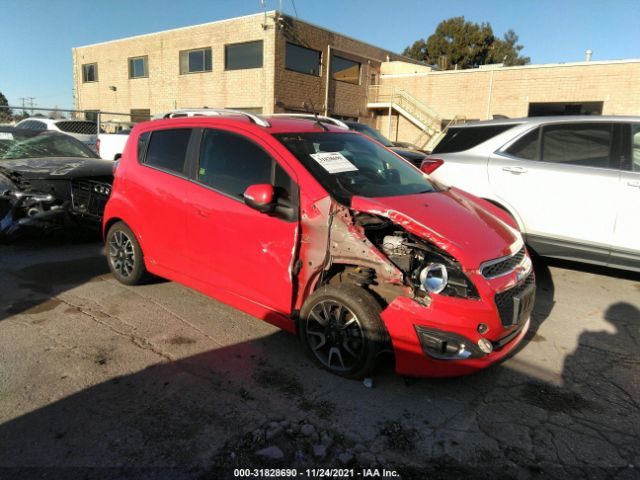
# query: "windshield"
{"type": "Point", "coordinates": [370, 132]}
{"type": "Point", "coordinates": [14, 145]}
{"type": "Point", "coordinates": [348, 164]}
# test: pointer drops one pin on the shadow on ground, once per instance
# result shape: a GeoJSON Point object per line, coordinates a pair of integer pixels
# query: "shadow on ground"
{"type": "Point", "coordinates": [261, 404]}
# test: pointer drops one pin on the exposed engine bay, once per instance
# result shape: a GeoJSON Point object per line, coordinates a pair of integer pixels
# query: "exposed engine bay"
{"type": "Point", "coordinates": [427, 268]}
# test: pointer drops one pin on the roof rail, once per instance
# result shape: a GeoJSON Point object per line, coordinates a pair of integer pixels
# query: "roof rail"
{"type": "Point", "coordinates": [311, 116]}
{"type": "Point", "coordinates": [213, 112]}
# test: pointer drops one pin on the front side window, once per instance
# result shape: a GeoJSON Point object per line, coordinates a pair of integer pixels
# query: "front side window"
{"type": "Point", "coordinates": [194, 61]}
{"type": "Point", "coordinates": [138, 67]}
{"type": "Point", "coordinates": [347, 164]}
{"type": "Point", "coordinates": [230, 163]}
{"type": "Point", "coordinates": [303, 60]}
{"type": "Point", "coordinates": [167, 149]}
{"type": "Point", "coordinates": [345, 70]}
{"type": "Point", "coordinates": [239, 56]}
{"type": "Point", "coordinates": [586, 144]}
{"type": "Point", "coordinates": [89, 72]}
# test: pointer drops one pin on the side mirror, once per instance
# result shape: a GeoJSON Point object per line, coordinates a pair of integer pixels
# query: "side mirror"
{"type": "Point", "coordinates": [260, 197]}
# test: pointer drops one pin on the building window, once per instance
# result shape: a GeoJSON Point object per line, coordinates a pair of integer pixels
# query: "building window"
{"type": "Point", "coordinates": [140, 115]}
{"type": "Point", "coordinates": [303, 60]}
{"type": "Point", "coordinates": [89, 72]}
{"type": "Point", "coordinates": [194, 61]}
{"type": "Point", "coordinates": [239, 56]}
{"type": "Point", "coordinates": [139, 67]}
{"type": "Point", "coordinates": [345, 70]}
{"type": "Point", "coordinates": [91, 115]}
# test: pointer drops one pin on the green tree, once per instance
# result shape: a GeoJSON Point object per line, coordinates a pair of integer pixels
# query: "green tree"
{"type": "Point", "coordinates": [457, 43]}
{"type": "Point", "coordinates": [6, 115]}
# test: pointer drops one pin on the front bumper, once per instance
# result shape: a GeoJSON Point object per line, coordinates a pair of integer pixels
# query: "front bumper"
{"type": "Point", "coordinates": [457, 320]}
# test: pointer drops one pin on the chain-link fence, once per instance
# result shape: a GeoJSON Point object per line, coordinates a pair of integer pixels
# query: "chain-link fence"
{"type": "Point", "coordinates": [71, 121]}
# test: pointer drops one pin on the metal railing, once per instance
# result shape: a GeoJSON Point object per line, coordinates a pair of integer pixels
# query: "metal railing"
{"type": "Point", "coordinates": [428, 120]}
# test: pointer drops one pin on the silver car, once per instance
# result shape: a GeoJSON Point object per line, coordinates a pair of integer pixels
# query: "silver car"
{"type": "Point", "coordinates": [572, 183]}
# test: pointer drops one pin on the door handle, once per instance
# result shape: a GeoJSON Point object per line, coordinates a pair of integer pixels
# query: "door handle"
{"type": "Point", "coordinates": [203, 213]}
{"type": "Point", "coordinates": [515, 170]}
{"type": "Point", "coordinates": [634, 183]}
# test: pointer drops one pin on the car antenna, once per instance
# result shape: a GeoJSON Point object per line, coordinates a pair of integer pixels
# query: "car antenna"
{"type": "Point", "coordinates": [315, 114]}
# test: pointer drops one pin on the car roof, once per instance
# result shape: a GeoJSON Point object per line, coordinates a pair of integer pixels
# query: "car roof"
{"type": "Point", "coordinates": [28, 131]}
{"type": "Point", "coordinates": [278, 124]}
{"type": "Point", "coordinates": [550, 119]}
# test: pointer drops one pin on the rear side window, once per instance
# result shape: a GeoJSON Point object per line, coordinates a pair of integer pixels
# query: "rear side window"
{"type": "Point", "coordinates": [167, 149]}
{"type": "Point", "coordinates": [526, 147]}
{"type": "Point", "coordinates": [586, 144]}
{"type": "Point", "coordinates": [461, 139]}
{"type": "Point", "coordinates": [230, 163]}
{"type": "Point", "coordinates": [86, 128]}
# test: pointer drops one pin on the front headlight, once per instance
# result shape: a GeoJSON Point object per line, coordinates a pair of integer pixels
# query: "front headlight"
{"type": "Point", "coordinates": [434, 278]}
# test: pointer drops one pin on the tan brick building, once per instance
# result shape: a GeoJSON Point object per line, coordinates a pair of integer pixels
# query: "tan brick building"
{"type": "Point", "coordinates": [604, 87]}
{"type": "Point", "coordinates": [263, 63]}
{"type": "Point", "coordinates": [269, 63]}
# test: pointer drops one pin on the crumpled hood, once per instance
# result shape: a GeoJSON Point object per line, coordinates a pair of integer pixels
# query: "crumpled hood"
{"type": "Point", "coordinates": [450, 220]}
{"type": "Point", "coordinates": [58, 167]}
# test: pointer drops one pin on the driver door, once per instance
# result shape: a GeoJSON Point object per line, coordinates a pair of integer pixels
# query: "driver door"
{"type": "Point", "coordinates": [235, 248]}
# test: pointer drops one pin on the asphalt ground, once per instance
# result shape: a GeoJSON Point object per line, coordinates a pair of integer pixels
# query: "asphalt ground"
{"type": "Point", "coordinates": [101, 380]}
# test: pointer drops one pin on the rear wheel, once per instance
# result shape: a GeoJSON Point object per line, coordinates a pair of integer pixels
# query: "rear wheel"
{"type": "Point", "coordinates": [124, 255]}
{"type": "Point", "coordinates": [341, 329]}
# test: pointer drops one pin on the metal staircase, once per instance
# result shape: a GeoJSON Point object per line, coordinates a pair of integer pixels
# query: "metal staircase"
{"type": "Point", "coordinates": [427, 120]}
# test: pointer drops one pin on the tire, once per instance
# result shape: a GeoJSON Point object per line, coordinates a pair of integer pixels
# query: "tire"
{"type": "Point", "coordinates": [349, 342]}
{"type": "Point", "coordinates": [124, 255]}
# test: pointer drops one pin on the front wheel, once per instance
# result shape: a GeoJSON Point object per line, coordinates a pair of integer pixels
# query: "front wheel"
{"type": "Point", "coordinates": [124, 255]}
{"type": "Point", "coordinates": [341, 329]}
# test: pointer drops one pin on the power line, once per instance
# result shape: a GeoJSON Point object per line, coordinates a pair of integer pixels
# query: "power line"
{"type": "Point", "coordinates": [295, 10]}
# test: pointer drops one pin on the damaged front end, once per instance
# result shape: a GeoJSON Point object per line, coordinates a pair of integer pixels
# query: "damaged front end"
{"type": "Point", "coordinates": [441, 318]}
{"type": "Point", "coordinates": [26, 210]}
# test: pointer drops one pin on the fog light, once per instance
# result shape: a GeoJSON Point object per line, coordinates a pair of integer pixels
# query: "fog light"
{"type": "Point", "coordinates": [483, 328]}
{"type": "Point", "coordinates": [485, 346]}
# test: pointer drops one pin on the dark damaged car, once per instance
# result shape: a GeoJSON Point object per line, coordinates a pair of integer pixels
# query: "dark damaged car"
{"type": "Point", "coordinates": [49, 181]}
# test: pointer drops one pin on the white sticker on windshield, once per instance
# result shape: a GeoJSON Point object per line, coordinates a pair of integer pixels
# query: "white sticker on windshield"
{"type": "Point", "coordinates": [334, 162]}
{"type": "Point", "coordinates": [6, 136]}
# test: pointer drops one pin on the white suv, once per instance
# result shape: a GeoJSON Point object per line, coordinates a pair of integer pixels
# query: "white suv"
{"type": "Point", "coordinates": [572, 182]}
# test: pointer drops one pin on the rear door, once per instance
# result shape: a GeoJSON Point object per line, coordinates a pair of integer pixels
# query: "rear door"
{"type": "Point", "coordinates": [625, 248]}
{"type": "Point", "coordinates": [232, 246]}
{"type": "Point", "coordinates": [159, 190]}
{"type": "Point", "coordinates": [561, 179]}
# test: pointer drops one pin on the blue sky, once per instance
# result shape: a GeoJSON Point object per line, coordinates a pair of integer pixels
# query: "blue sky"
{"type": "Point", "coordinates": [37, 36]}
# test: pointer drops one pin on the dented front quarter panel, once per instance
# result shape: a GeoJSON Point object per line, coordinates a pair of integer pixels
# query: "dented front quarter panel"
{"type": "Point", "coordinates": [329, 236]}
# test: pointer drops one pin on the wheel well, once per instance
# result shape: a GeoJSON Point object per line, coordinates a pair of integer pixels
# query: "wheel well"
{"type": "Point", "coordinates": [109, 224]}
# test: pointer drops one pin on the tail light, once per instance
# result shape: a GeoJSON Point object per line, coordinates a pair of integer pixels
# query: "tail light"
{"type": "Point", "coordinates": [430, 164]}
{"type": "Point", "coordinates": [98, 146]}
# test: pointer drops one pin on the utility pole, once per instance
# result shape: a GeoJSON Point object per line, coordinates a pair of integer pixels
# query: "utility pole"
{"type": "Point", "coordinates": [27, 100]}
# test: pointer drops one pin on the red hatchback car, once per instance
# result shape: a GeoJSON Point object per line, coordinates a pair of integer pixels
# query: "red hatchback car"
{"type": "Point", "coordinates": [323, 232]}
